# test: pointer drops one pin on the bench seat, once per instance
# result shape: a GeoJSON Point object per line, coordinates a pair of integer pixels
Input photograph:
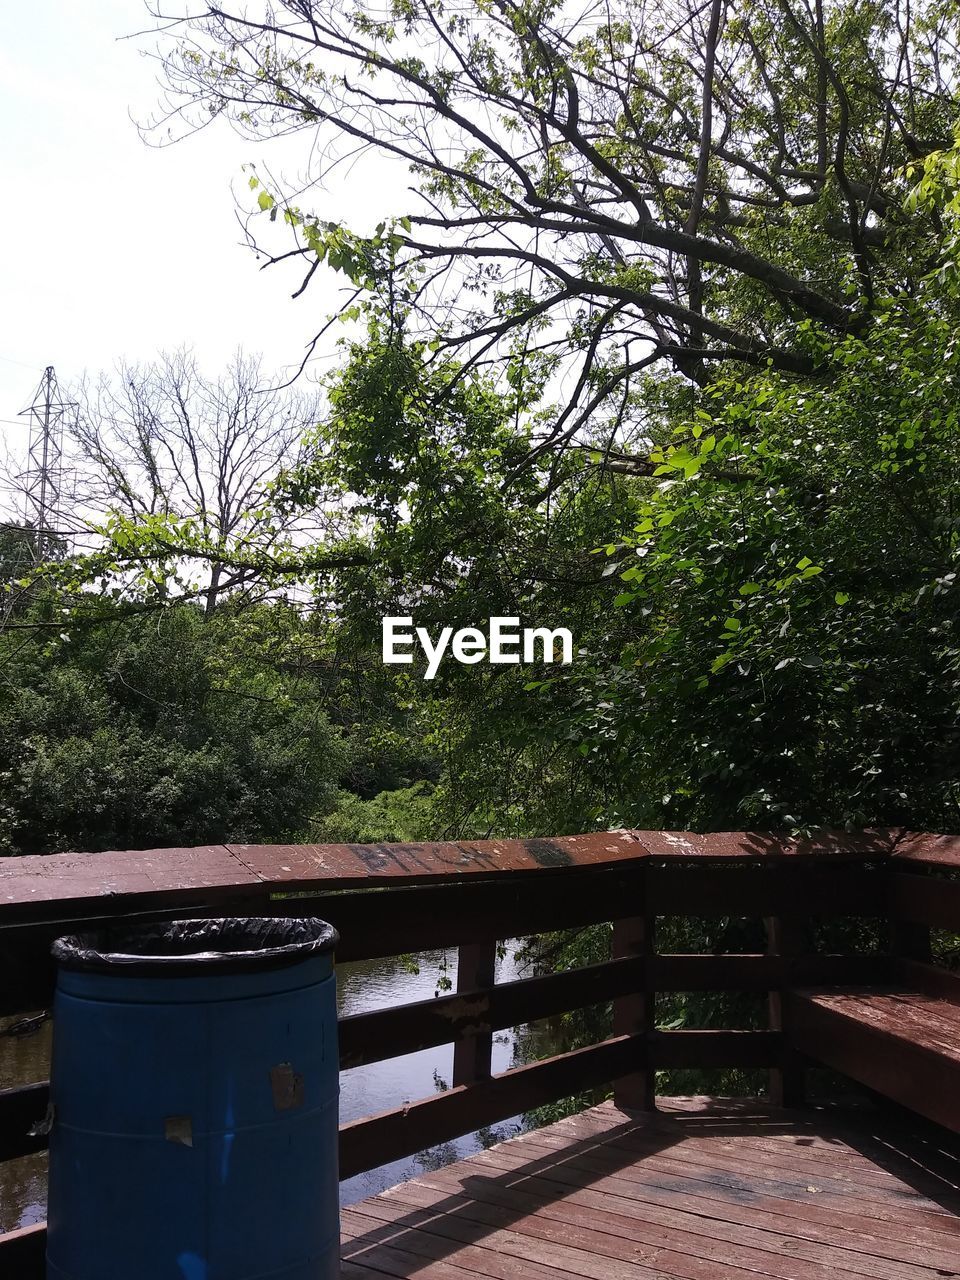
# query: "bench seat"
{"type": "Point", "coordinates": [901, 1042]}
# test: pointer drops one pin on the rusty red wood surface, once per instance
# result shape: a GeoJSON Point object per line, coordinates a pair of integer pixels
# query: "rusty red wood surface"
{"type": "Point", "coordinates": [703, 1190]}
{"type": "Point", "coordinates": [210, 873]}
{"type": "Point", "coordinates": [721, 846]}
{"type": "Point", "coordinates": [902, 1043]}
{"type": "Point", "coordinates": [222, 870]}
{"type": "Point", "coordinates": [62, 877]}
{"type": "Point", "coordinates": [926, 849]}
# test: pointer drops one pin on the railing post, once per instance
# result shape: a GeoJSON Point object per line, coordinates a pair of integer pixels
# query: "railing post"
{"type": "Point", "coordinates": [786, 1080]}
{"type": "Point", "coordinates": [910, 940]}
{"type": "Point", "coordinates": [476, 969]}
{"type": "Point", "coordinates": [635, 1014]}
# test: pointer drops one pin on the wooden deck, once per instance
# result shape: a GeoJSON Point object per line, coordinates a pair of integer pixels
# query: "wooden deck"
{"type": "Point", "coordinates": [704, 1190]}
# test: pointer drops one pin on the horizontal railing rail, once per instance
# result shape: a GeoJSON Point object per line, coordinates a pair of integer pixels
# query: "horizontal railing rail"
{"type": "Point", "coordinates": [392, 900]}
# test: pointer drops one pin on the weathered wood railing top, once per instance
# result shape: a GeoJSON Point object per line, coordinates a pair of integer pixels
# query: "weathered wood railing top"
{"type": "Point", "coordinates": [30, 885]}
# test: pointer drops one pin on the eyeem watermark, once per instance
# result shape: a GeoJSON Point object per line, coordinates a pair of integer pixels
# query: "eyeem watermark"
{"type": "Point", "coordinates": [503, 642]}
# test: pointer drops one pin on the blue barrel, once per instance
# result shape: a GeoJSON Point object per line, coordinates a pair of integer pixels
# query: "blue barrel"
{"type": "Point", "coordinates": [194, 1088]}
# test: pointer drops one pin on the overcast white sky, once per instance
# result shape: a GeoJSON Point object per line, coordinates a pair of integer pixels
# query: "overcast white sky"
{"type": "Point", "coordinates": [111, 248]}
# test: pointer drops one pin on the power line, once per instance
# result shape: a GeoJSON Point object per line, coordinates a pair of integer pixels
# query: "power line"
{"type": "Point", "coordinates": [22, 363]}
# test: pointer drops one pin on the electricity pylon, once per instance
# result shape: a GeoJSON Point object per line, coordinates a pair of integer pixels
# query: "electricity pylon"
{"type": "Point", "coordinates": [44, 475]}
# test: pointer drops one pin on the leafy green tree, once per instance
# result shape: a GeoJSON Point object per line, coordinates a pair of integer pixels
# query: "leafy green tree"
{"type": "Point", "coordinates": [164, 731]}
{"type": "Point", "coordinates": [698, 325]}
{"type": "Point", "coordinates": [764, 628]}
{"type": "Point", "coordinates": [659, 294]}
{"type": "Point", "coordinates": [797, 663]}
{"type": "Point", "coordinates": [400, 816]}
{"type": "Point", "coordinates": [600, 193]}
{"type": "Point", "coordinates": [423, 452]}
{"type": "Point", "coordinates": [20, 551]}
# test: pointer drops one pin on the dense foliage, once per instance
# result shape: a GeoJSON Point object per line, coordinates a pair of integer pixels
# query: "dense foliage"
{"type": "Point", "coordinates": [163, 730]}
{"type": "Point", "coordinates": [659, 347]}
{"type": "Point", "coordinates": [713, 432]}
{"type": "Point", "coordinates": [765, 629]}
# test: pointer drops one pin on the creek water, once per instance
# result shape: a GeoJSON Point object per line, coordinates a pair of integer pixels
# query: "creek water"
{"type": "Point", "coordinates": [361, 987]}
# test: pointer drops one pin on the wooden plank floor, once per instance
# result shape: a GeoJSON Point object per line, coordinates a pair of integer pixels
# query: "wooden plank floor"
{"type": "Point", "coordinates": [702, 1191]}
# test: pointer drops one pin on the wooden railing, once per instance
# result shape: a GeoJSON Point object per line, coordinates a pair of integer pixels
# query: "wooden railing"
{"type": "Point", "coordinates": [396, 899]}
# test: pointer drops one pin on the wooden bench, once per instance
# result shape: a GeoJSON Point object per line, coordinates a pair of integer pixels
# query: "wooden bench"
{"type": "Point", "coordinates": [902, 1042]}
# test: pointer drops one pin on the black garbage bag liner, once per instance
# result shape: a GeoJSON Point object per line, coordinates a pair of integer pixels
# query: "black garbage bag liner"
{"type": "Point", "coordinates": [195, 946]}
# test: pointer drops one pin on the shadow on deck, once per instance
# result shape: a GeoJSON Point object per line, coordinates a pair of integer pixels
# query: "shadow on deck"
{"type": "Point", "coordinates": [703, 1189]}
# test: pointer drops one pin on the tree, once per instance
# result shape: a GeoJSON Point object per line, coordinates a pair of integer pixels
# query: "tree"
{"type": "Point", "coordinates": [168, 730]}
{"type": "Point", "coordinates": [679, 242]}
{"type": "Point", "coordinates": [164, 442]}
{"type": "Point", "coordinates": [607, 190]}
{"type": "Point", "coordinates": [173, 494]}
{"type": "Point", "coordinates": [424, 451]}
{"type": "Point", "coordinates": [779, 651]}
{"type": "Point", "coordinates": [20, 549]}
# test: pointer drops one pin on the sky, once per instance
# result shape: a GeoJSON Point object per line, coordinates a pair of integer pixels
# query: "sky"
{"type": "Point", "coordinates": [115, 249]}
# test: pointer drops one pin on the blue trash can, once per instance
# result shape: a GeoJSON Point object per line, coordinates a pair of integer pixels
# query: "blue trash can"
{"type": "Point", "coordinates": [194, 1094]}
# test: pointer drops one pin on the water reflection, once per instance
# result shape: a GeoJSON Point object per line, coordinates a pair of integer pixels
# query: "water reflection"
{"type": "Point", "coordinates": [363, 986]}
{"type": "Point", "coordinates": [23, 1183]}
